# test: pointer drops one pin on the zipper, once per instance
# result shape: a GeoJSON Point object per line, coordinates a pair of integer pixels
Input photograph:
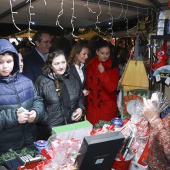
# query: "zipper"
{"type": "Point", "coordinates": [19, 104]}
{"type": "Point", "coordinates": [13, 87]}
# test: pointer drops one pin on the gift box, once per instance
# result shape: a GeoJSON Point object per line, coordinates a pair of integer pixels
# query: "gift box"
{"type": "Point", "coordinates": [37, 165]}
{"type": "Point", "coordinates": [75, 130]}
{"type": "Point", "coordinates": [98, 152]}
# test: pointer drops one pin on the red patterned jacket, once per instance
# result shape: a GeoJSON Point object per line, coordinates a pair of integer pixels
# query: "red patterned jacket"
{"type": "Point", "coordinates": [159, 144]}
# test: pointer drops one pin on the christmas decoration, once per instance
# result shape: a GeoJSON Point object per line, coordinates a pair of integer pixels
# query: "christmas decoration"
{"type": "Point", "coordinates": [160, 59]}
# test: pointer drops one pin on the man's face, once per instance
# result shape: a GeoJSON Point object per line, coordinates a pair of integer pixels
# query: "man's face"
{"type": "Point", "coordinates": [45, 44]}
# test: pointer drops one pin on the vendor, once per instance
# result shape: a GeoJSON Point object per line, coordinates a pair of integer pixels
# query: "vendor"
{"type": "Point", "coordinates": [159, 139]}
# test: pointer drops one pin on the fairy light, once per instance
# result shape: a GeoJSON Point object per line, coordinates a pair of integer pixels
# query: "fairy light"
{"type": "Point", "coordinates": [120, 12]}
{"type": "Point", "coordinates": [127, 21]}
{"type": "Point", "coordinates": [59, 15]}
{"type": "Point", "coordinates": [87, 4]}
{"type": "Point", "coordinates": [147, 12]}
{"type": "Point", "coordinates": [45, 2]}
{"type": "Point", "coordinates": [98, 16]}
{"type": "Point", "coordinates": [137, 25]}
{"type": "Point", "coordinates": [72, 20]}
{"type": "Point", "coordinates": [13, 20]}
{"type": "Point", "coordinates": [30, 21]}
{"type": "Point", "coordinates": [152, 18]}
{"type": "Point", "coordinates": [111, 27]}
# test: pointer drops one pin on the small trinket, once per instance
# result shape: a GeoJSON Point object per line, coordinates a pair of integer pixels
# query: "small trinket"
{"type": "Point", "coordinates": [117, 122]}
{"type": "Point", "coordinates": [40, 144]}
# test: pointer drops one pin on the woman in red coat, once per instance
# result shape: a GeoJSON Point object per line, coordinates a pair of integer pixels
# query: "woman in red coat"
{"type": "Point", "coordinates": [102, 82]}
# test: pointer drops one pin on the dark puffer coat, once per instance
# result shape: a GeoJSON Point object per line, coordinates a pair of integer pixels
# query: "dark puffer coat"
{"type": "Point", "coordinates": [16, 91]}
{"type": "Point", "coordinates": [45, 85]}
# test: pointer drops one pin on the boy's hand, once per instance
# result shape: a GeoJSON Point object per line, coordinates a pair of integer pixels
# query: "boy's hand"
{"type": "Point", "coordinates": [32, 116]}
{"type": "Point", "coordinates": [23, 116]}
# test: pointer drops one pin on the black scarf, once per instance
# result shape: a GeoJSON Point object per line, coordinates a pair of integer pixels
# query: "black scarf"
{"type": "Point", "coordinates": [63, 94]}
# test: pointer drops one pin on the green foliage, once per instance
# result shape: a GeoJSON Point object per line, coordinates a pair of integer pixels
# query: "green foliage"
{"type": "Point", "coordinates": [12, 154]}
{"type": "Point", "coordinates": [101, 123]}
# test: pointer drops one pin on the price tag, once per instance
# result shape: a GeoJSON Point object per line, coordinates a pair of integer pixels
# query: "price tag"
{"type": "Point", "coordinates": [167, 81]}
{"type": "Point", "coordinates": [158, 78]}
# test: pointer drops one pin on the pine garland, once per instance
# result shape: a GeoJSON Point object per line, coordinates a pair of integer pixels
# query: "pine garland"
{"type": "Point", "coordinates": [101, 123]}
{"type": "Point", "coordinates": [12, 154]}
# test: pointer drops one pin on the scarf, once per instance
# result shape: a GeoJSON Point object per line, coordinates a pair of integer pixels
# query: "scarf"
{"type": "Point", "coordinates": [63, 94]}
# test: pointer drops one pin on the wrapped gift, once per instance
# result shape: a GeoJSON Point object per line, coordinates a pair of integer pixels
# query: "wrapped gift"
{"type": "Point", "coordinates": [75, 130]}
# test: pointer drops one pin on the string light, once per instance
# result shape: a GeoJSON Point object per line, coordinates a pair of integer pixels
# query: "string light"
{"type": "Point", "coordinates": [13, 20]}
{"type": "Point", "coordinates": [128, 5]}
{"type": "Point", "coordinates": [45, 2]}
{"type": "Point", "coordinates": [59, 15]}
{"type": "Point", "coordinates": [30, 21]}
{"type": "Point", "coordinates": [87, 4]}
{"type": "Point", "coordinates": [127, 21]}
{"type": "Point", "coordinates": [90, 10]}
{"type": "Point", "coordinates": [120, 12]}
{"type": "Point", "coordinates": [147, 12]}
{"type": "Point", "coordinates": [111, 27]}
{"type": "Point", "coordinates": [152, 17]}
{"type": "Point", "coordinates": [72, 20]}
{"type": "Point", "coordinates": [98, 16]}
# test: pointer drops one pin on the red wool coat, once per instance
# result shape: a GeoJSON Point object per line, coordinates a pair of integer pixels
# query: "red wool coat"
{"type": "Point", "coordinates": [101, 101]}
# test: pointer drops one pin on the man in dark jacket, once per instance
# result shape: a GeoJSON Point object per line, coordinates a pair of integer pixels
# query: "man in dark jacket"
{"type": "Point", "coordinates": [34, 61]}
{"type": "Point", "coordinates": [20, 106]}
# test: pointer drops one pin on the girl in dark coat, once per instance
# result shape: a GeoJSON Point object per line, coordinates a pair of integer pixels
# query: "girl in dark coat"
{"type": "Point", "coordinates": [102, 82]}
{"type": "Point", "coordinates": [61, 91]}
{"type": "Point", "coordinates": [17, 126]}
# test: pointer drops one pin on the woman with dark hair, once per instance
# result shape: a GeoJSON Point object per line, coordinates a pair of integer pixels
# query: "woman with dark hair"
{"type": "Point", "coordinates": [102, 82]}
{"type": "Point", "coordinates": [61, 92]}
{"type": "Point", "coordinates": [77, 60]}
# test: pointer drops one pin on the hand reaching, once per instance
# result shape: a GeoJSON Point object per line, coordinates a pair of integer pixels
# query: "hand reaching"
{"type": "Point", "coordinates": [101, 68]}
{"type": "Point", "coordinates": [150, 112]}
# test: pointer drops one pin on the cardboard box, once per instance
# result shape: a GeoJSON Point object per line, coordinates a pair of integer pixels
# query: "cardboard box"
{"type": "Point", "coordinates": [76, 130]}
{"type": "Point", "coordinates": [98, 152]}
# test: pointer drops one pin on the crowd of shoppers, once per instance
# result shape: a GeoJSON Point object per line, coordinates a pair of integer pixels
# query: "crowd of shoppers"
{"type": "Point", "coordinates": [50, 87]}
